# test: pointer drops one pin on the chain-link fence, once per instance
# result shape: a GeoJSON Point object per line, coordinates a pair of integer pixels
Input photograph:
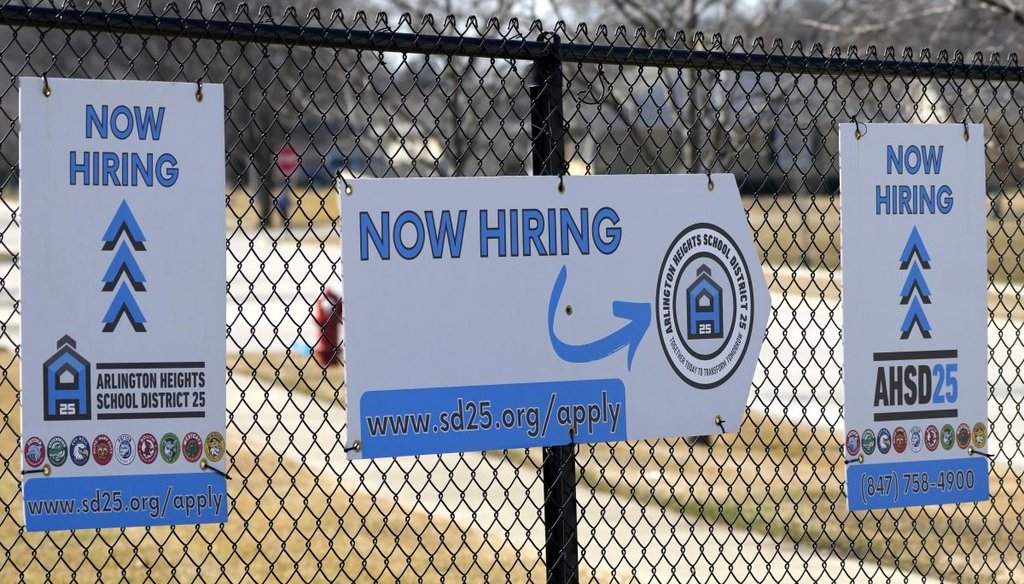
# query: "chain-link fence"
{"type": "Point", "coordinates": [356, 95]}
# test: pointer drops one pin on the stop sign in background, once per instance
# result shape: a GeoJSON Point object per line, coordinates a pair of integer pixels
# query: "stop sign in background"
{"type": "Point", "coordinates": [287, 160]}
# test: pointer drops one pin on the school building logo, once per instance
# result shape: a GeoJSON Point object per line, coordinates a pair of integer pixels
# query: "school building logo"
{"type": "Point", "coordinates": [67, 384]}
{"type": "Point", "coordinates": [705, 305]}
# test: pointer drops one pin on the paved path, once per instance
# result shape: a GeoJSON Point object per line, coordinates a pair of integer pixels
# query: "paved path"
{"type": "Point", "coordinates": [628, 542]}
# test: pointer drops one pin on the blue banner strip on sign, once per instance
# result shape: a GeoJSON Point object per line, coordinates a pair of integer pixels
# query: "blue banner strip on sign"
{"type": "Point", "coordinates": [53, 503]}
{"type": "Point", "coordinates": [914, 483]}
{"type": "Point", "coordinates": [491, 417]}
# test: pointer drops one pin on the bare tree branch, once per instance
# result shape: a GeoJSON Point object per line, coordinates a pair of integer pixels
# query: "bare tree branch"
{"type": "Point", "coordinates": [636, 12]}
{"type": "Point", "coordinates": [1006, 8]}
{"type": "Point", "coordinates": [833, 10]}
{"type": "Point", "coordinates": [878, 26]}
{"type": "Point", "coordinates": [940, 29]}
{"type": "Point", "coordinates": [769, 9]}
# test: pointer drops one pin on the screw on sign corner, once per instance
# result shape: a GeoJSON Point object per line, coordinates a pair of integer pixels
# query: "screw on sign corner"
{"type": "Point", "coordinates": [327, 314]}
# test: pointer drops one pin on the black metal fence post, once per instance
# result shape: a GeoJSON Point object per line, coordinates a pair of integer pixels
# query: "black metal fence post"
{"type": "Point", "coordinates": [547, 131]}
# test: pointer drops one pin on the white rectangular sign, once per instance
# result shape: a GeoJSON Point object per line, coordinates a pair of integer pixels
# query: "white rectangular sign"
{"type": "Point", "coordinates": [914, 308]}
{"type": "Point", "coordinates": [492, 313]}
{"type": "Point", "coordinates": [122, 250]}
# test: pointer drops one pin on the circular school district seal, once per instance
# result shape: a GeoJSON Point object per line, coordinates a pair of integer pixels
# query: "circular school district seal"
{"type": "Point", "coordinates": [170, 448]}
{"type": "Point", "coordinates": [899, 439]}
{"type": "Point", "coordinates": [705, 305]}
{"type": "Point", "coordinates": [79, 450]}
{"type": "Point", "coordinates": [35, 452]}
{"type": "Point", "coordinates": [963, 436]}
{"type": "Point", "coordinates": [931, 437]}
{"type": "Point", "coordinates": [980, 435]}
{"type": "Point", "coordinates": [852, 442]}
{"type": "Point", "coordinates": [124, 449]}
{"type": "Point", "coordinates": [147, 448]}
{"type": "Point", "coordinates": [102, 449]}
{"type": "Point", "coordinates": [948, 437]}
{"type": "Point", "coordinates": [916, 439]}
{"type": "Point", "coordinates": [57, 451]}
{"type": "Point", "coordinates": [192, 447]}
{"type": "Point", "coordinates": [884, 441]}
{"type": "Point", "coordinates": [214, 446]}
{"type": "Point", "coordinates": [867, 441]}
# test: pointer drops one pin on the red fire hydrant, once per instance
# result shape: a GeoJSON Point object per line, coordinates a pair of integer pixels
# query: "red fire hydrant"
{"type": "Point", "coordinates": [327, 314]}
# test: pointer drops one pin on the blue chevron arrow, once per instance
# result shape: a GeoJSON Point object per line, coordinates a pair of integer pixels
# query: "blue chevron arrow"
{"type": "Point", "coordinates": [915, 281]}
{"type": "Point", "coordinates": [124, 222]}
{"type": "Point", "coordinates": [915, 246]}
{"type": "Point", "coordinates": [124, 305]}
{"type": "Point", "coordinates": [124, 263]}
{"type": "Point", "coordinates": [915, 316]}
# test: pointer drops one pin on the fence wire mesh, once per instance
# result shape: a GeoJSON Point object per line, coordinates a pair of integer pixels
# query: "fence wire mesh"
{"type": "Point", "coordinates": [359, 95]}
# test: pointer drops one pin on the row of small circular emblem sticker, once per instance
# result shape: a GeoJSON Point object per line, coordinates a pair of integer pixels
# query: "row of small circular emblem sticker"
{"type": "Point", "coordinates": [915, 439]}
{"type": "Point", "coordinates": [125, 449]}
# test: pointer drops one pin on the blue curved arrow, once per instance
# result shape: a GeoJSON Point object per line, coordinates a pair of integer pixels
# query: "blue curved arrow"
{"type": "Point", "coordinates": [637, 313]}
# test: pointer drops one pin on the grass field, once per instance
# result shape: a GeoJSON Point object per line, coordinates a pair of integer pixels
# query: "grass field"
{"type": "Point", "coordinates": [789, 482]}
{"type": "Point", "coordinates": [788, 231]}
{"type": "Point", "coordinates": [307, 206]}
{"type": "Point", "coordinates": [786, 480]}
{"type": "Point", "coordinates": [806, 232]}
{"type": "Point", "coordinates": [783, 479]}
{"type": "Point", "coordinates": [285, 524]}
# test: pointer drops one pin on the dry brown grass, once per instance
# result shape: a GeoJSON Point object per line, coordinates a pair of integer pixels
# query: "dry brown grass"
{"type": "Point", "coordinates": [805, 232]}
{"type": "Point", "coordinates": [296, 372]}
{"type": "Point", "coordinates": [306, 206]}
{"type": "Point", "coordinates": [784, 479]}
{"type": "Point", "coordinates": [285, 524]}
{"type": "Point", "coordinates": [787, 480]}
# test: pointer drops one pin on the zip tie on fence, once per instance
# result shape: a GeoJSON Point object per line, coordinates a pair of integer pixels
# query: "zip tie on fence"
{"type": "Point", "coordinates": [564, 170]}
{"type": "Point", "coordinates": [356, 447]}
{"type": "Point", "coordinates": [858, 458]}
{"type": "Point", "coordinates": [967, 132]}
{"type": "Point", "coordinates": [47, 90]}
{"type": "Point", "coordinates": [587, 95]}
{"type": "Point", "coordinates": [572, 440]}
{"type": "Point", "coordinates": [971, 450]}
{"type": "Point", "coordinates": [45, 471]}
{"type": "Point", "coordinates": [199, 90]}
{"type": "Point", "coordinates": [719, 421]}
{"type": "Point", "coordinates": [856, 131]}
{"type": "Point", "coordinates": [711, 183]}
{"type": "Point", "coordinates": [348, 190]}
{"type": "Point", "coordinates": [207, 466]}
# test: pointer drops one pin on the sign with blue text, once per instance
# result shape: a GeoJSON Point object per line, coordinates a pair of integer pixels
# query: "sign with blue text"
{"type": "Point", "coordinates": [493, 313]}
{"type": "Point", "coordinates": [914, 312]}
{"type": "Point", "coordinates": [122, 348]}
